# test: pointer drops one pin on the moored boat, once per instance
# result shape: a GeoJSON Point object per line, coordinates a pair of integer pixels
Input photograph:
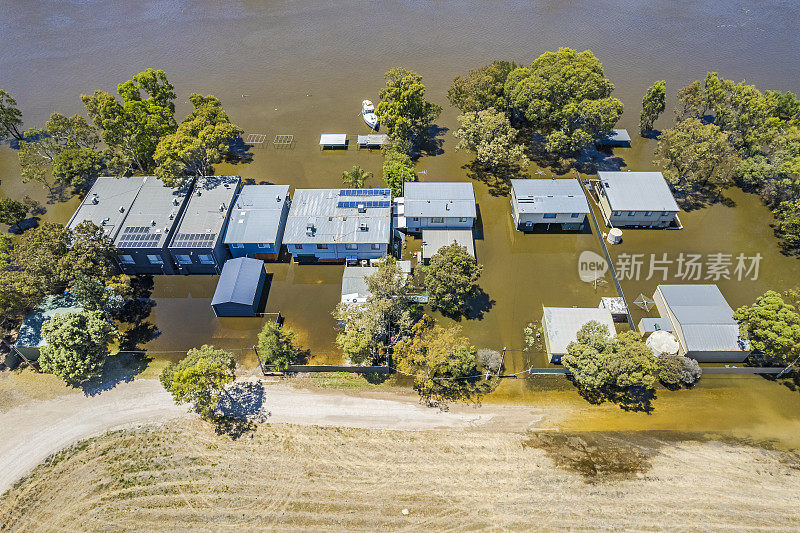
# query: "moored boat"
{"type": "Point", "coordinates": [368, 112]}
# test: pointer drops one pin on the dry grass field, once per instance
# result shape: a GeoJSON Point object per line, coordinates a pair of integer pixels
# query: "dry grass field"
{"type": "Point", "coordinates": [184, 477]}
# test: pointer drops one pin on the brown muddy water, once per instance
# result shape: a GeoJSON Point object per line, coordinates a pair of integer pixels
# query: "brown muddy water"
{"type": "Point", "coordinates": [302, 68]}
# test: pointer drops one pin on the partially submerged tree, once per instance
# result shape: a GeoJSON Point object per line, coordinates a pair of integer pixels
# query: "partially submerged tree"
{"type": "Point", "coordinates": [77, 345]}
{"type": "Point", "coordinates": [403, 109]}
{"type": "Point", "coordinates": [12, 212]}
{"type": "Point", "coordinates": [203, 139]}
{"type": "Point", "coordinates": [443, 363]}
{"type": "Point", "coordinates": [200, 379]}
{"type": "Point", "coordinates": [678, 370]}
{"type": "Point", "coordinates": [10, 116]}
{"type": "Point", "coordinates": [277, 346]}
{"type": "Point", "coordinates": [397, 168]}
{"type": "Point", "coordinates": [356, 177]}
{"type": "Point", "coordinates": [482, 88]}
{"type": "Point", "coordinates": [451, 279]}
{"type": "Point", "coordinates": [772, 326]}
{"type": "Point", "coordinates": [566, 97]}
{"type": "Point", "coordinates": [489, 134]}
{"type": "Point", "coordinates": [653, 104]}
{"type": "Point", "coordinates": [787, 226]}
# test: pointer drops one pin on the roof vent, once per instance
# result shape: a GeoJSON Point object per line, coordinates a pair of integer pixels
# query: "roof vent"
{"type": "Point", "coordinates": [95, 199]}
{"type": "Point", "coordinates": [362, 208]}
{"type": "Point", "coordinates": [122, 209]}
{"type": "Point", "coordinates": [363, 226]}
{"type": "Point", "coordinates": [310, 226]}
{"type": "Point", "coordinates": [172, 215]}
{"type": "Point", "coordinates": [105, 221]}
{"type": "Point", "coordinates": [278, 198]}
{"type": "Point", "coordinates": [174, 201]}
{"type": "Point", "coordinates": [221, 208]}
{"type": "Point", "coordinates": [152, 222]}
{"type": "Point", "coordinates": [447, 207]}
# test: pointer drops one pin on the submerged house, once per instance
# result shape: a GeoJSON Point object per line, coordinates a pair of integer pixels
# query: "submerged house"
{"type": "Point", "coordinates": [436, 206]}
{"type": "Point", "coordinates": [548, 201]}
{"type": "Point", "coordinates": [703, 323]}
{"type": "Point", "coordinates": [29, 339]}
{"type": "Point", "coordinates": [107, 203]}
{"type": "Point", "coordinates": [636, 199]}
{"type": "Point", "coordinates": [240, 287]}
{"type": "Point", "coordinates": [152, 218]}
{"type": "Point", "coordinates": [339, 225]}
{"type": "Point", "coordinates": [257, 221]}
{"type": "Point", "coordinates": [197, 246]}
{"type": "Point", "coordinates": [560, 326]}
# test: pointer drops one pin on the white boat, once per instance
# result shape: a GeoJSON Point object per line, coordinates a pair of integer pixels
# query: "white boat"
{"type": "Point", "coordinates": [368, 112]}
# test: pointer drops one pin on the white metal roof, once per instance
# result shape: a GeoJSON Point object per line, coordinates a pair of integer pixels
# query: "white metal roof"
{"type": "Point", "coordinates": [439, 199]}
{"type": "Point", "coordinates": [563, 323]}
{"type": "Point", "coordinates": [637, 191]}
{"type": "Point", "coordinates": [434, 239]}
{"type": "Point", "coordinates": [257, 214]}
{"type": "Point", "coordinates": [333, 139]}
{"type": "Point", "coordinates": [549, 196]}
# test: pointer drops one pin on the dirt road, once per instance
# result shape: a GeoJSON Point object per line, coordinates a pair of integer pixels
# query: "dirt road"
{"type": "Point", "coordinates": [33, 431]}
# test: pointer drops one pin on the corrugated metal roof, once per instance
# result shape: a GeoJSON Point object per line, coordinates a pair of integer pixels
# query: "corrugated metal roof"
{"type": "Point", "coordinates": [333, 139]}
{"type": "Point", "coordinates": [655, 324]}
{"type": "Point", "coordinates": [439, 199]}
{"type": "Point", "coordinates": [549, 196]}
{"type": "Point", "coordinates": [239, 281]}
{"type": "Point", "coordinates": [354, 281]}
{"type": "Point", "coordinates": [637, 191]}
{"type": "Point", "coordinates": [206, 213]}
{"type": "Point", "coordinates": [108, 202]}
{"type": "Point", "coordinates": [154, 203]}
{"type": "Point", "coordinates": [434, 239]}
{"type": "Point", "coordinates": [563, 323]}
{"type": "Point", "coordinates": [332, 224]}
{"type": "Point", "coordinates": [30, 331]}
{"type": "Point", "coordinates": [256, 214]}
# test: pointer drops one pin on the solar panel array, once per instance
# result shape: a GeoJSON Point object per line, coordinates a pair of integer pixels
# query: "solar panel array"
{"type": "Point", "coordinates": [138, 237]}
{"type": "Point", "coordinates": [194, 240]}
{"type": "Point", "coordinates": [365, 192]}
{"type": "Point", "coordinates": [365, 203]}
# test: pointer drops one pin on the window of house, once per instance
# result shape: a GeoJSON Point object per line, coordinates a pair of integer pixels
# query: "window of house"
{"type": "Point", "coordinates": [205, 259]}
{"type": "Point", "coordinates": [462, 219]}
{"type": "Point", "coordinates": [237, 245]}
{"type": "Point", "coordinates": [575, 215]}
{"type": "Point", "coordinates": [262, 245]}
{"type": "Point", "coordinates": [631, 213]}
{"type": "Point", "coordinates": [648, 213]}
{"type": "Point", "coordinates": [617, 213]}
{"type": "Point", "coordinates": [415, 219]}
{"type": "Point", "coordinates": [127, 259]}
{"type": "Point", "coordinates": [322, 247]}
{"type": "Point", "coordinates": [351, 247]}
{"type": "Point", "coordinates": [437, 220]}
{"type": "Point", "coordinates": [376, 246]}
{"type": "Point", "coordinates": [298, 246]}
{"type": "Point", "coordinates": [549, 215]}
{"type": "Point", "coordinates": [184, 259]}
{"type": "Point", "coordinates": [155, 259]}
{"type": "Point", "coordinates": [665, 213]}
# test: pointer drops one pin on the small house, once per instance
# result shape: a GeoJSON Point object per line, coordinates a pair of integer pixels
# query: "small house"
{"type": "Point", "coordinates": [354, 281]}
{"type": "Point", "coordinates": [257, 222]}
{"type": "Point", "coordinates": [703, 323]}
{"type": "Point", "coordinates": [428, 205]}
{"type": "Point", "coordinates": [29, 339]}
{"type": "Point", "coordinates": [107, 203]}
{"type": "Point", "coordinates": [339, 225]}
{"type": "Point", "coordinates": [142, 244]}
{"type": "Point", "coordinates": [197, 246]}
{"type": "Point", "coordinates": [560, 326]}
{"type": "Point", "coordinates": [636, 199]}
{"type": "Point", "coordinates": [239, 289]}
{"type": "Point", "coordinates": [333, 141]}
{"type": "Point", "coordinates": [548, 201]}
{"type": "Point", "coordinates": [434, 240]}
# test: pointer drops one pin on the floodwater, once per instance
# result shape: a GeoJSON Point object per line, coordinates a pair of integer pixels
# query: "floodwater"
{"type": "Point", "coordinates": [302, 68]}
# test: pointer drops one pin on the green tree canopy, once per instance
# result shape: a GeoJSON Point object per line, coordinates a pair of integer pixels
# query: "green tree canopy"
{"type": "Point", "coordinates": [77, 345]}
{"type": "Point", "coordinates": [565, 96]}
{"type": "Point", "coordinates": [356, 177]}
{"type": "Point", "coordinates": [678, 370]}
{"type": "Point", "coordinates": [403, 110]}
{"type": "Point", "coordinates": [451, 279]}
{"type": "Point", "coordinates": [443, 363]}
{"type": "Point", "coordinates": [200, 379]}
{"type": "Point", "coordinates": [12, 212]}
{"type": "Point", "coordinates": [397, 168]}
{"type": "Point", "coordinates": [10, 116]}
{"type": "Point", "coordinates": [772, 326]}
{"type": "Point", "coordinates": [482, 88]}
{"type": "Point", "coordinates": [653, 104]}
{"type": "Point", "coordinates": [203, 139]}
{"type": "Point", "coordinates": [133, 127]}
{"type": "Point", "coordinates": [788, 225]}
{"type": "Point", "coordinates": [276, 346]}
{"type": "Point", "coordinates": [489, 134]}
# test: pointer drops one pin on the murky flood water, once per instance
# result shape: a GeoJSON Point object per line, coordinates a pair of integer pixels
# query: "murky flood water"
{"type": "Point", "coordinates": [302, 68]}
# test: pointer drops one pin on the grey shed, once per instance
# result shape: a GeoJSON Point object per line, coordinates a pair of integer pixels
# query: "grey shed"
{"type": "Point", "coordinates": [239, 287]}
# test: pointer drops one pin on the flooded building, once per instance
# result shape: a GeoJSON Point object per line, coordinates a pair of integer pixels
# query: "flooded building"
{"type": "Point", "coordinates": [339, 225]}
{"type": "Point", "coordinates": [107, 203]}
{"type": "Point", "coordinates": [636, 199]}
{"type": "Point", "coordinates": [703, 322]}
{"type": "Point", "coordinates": [197, 246]}
{"type": "Point", "coordinates": [29, 339]}
{"type": "Point", "coordinates": [142, 243]}
{"type": "Point", "coordinates": [435, 206]}
{"type": "Point", "coordinates": [560, 326]}
{"type": "Point", "coordinates": [548, 201]}
{"type": "Point", "coordinates": [257, 222]}
{"type": "Point", "coordinates": [239, 289]}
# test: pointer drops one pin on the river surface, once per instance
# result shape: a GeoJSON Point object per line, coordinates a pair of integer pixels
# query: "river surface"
{"type": "Point", "coordinates": [302, 68]}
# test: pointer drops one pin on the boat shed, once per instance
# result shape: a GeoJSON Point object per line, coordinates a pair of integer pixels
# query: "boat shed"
{"type": "Point", "coordinates": [107, 203]}
{"type": "Point", "coordinates": [257, 222]}
{"type": "Point", "coordinates": [560, 326]}
{"type": "Point", "coordinates": [434, 240]}
{"type": "Point", "coordinates": [333, 141]}
{"type": "Point", "coordinates": [29, 339]}
{"type": "Point", "coordinates": [703, 322]}
{"type": "Point", "coordinates": [636, 199]}
{"type": "Point", "coordinates": [142, 244]}
{"type": "Point", "coordinates": [617, 137]}
{"type": "Point", "coordinates": [239, 288]}
{"type": "Point", "coordinates": [548, 201]}
{"type": "Point", "coordinates": [373, 140]}
{"type": "Point", "coordinates": [197, 246]}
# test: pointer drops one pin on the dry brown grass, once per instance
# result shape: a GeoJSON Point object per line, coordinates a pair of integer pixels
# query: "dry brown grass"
{"type": "Point", "coordinates": [183, 477]}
